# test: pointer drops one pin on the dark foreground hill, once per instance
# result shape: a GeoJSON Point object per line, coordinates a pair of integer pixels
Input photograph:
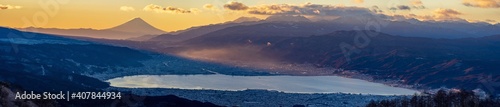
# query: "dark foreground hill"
{"type": "Point", "coordinates": [46, 62]}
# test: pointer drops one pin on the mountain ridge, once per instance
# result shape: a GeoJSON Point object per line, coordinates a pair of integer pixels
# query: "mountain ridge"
{"type": "Point", "coordinates": [130, 29]}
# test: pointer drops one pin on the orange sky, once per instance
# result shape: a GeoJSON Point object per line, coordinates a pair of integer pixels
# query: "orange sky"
{"type": "Point", "coordinates": [182, 14]}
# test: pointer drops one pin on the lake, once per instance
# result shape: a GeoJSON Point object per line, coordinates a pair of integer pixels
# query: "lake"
{"type": "Point", "coordinates": [288, 84]}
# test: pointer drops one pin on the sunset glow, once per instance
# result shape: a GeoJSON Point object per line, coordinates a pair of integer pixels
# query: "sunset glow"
{"type": "Point", "coordinates": [172, 15]}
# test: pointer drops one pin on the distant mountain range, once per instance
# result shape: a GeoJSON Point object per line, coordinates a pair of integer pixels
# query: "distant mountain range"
{"type": "Point", "coordinates": [139, 30]}
{"type": "Point", "coordinates": [131, 29]}
{"type": "Point", "coordinates": [193, 32]}
{"type": "Point", "coordinates": [294, 26]}
{"type": "Point", "coordinates": [242, 21]}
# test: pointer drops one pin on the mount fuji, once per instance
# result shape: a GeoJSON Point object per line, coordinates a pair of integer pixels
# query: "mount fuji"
{"type": "Point", "coordinates": [137, 25]}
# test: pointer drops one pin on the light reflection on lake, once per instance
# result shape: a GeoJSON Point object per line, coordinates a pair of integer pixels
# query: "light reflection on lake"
{"type": "Point", "coordinates": [289, 84]}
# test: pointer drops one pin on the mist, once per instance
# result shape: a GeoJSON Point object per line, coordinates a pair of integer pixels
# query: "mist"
{"type": "Point", "coordinates": [228, 55]}
{"type": "Point", "coordinates": [255, 58]}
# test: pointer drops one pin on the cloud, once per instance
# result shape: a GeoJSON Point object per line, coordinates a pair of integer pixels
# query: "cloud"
{"type": "Point", "coordinates": [208, 6]}
{"type": "Point", "coordinates": [417, 4]}
{"type": "Point", "coordinates": [405, 7]}
{"type": "Point", "coordinates": [307, 9]}
{"type": "Point", "coordinates": [195, 10]}
{"type": "Point", "coordinates": [446, 13]}
{"type": "Point", "coordinates": [376, 9]}
{"type": "Point", "coordinates": [400, 7]}
{"type": "Point", "coordinates": [235, 6]}
{"type": "Point", "coordinates": [438, 15]}
{"type": "Point", "coordinates": [211, 7]}
{"type": "Point", "coordinates": [482, 3]}
{"type": "Point", "coordinates": [359, 1]}
{"type": "Point", "coordinates": [490, 21]}
{"type": "Point", "coordinates": [5, 7]}
{"type": "Point", "coordinates": [172, 10]}
{"type": "Point", "coordinates": [127, 8]}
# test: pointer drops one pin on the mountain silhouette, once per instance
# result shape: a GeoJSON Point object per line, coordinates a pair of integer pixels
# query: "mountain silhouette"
{"type": "Point", "coordinates": [197, 31]}
{"type": "Point", "coordinates": [130, 29]}
{"type": "Point", "coordinates": [137, 25]}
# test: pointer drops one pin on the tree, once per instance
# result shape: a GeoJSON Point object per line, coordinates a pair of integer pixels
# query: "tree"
{"type": "Point", "coordinates": [405, 102]}
{"type": "Point", "coordinates": [414, 101]}
{"type": "Point", "coordinates": [463, 98]}
{"type": "Point", "coordinates": [441, 99]}
{"type": "Point", "coordinates": [372, 104]}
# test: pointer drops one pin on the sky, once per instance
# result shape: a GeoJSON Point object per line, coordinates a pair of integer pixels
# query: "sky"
{"type": "Point", "coordinates": [172, 15]}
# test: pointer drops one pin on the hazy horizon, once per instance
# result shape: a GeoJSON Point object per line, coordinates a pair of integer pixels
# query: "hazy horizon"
{"type": "Point", "coordinates": [177, 15]}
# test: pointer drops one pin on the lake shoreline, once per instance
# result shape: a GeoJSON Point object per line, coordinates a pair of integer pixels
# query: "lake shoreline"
{"type": "Point", "coordinates": [282, 83]}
